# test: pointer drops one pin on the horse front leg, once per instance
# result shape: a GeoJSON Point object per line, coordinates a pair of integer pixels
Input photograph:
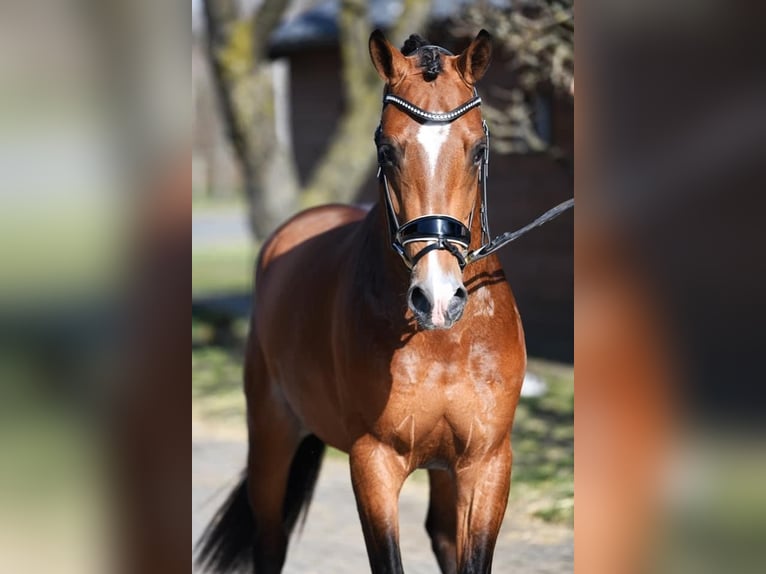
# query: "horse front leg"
{"type": "Point", "coordinates": [377, 475]}
{"type": "Point", "coordinates": [440, 522]}
{"type": "Point", "coordinates": [482, 496]}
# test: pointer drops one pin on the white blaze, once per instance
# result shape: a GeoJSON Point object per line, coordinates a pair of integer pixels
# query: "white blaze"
{"type": "Point", "coordinates": [432, 137]}
{"type": "Point", "coordinates": [442, 286]}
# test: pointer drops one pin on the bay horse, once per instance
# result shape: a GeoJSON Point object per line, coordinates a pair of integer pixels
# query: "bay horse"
{"type": "Point", "coordinates": [404, 358]}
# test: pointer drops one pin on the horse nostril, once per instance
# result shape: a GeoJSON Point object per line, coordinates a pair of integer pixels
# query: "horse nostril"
{"type": "Point", "coordinates": [457, 303]}
{"type": "Point", "coordinates": [419, 301]}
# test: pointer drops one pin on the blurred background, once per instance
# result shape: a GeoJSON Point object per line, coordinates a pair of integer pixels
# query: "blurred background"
{"type": "Point", "coordinates": [98, 128]}
{"type": "Point", "coordinates": [95, 132]}
{"type": "Point", "coordinates": [285, 104]}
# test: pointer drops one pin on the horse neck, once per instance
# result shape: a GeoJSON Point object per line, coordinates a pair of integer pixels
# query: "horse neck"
{"type": "Point", "coordinates": [489, 264]}
{"type": "Point", "coordinates": [389, 264]}
{"type": "Point", "coordinates": [476, 236]}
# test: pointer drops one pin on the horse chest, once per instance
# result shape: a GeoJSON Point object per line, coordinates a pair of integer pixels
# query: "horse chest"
{"type": "Point", "coordinates": [441, 425]}
{"type": "Point", "coordinates": [443, 407]}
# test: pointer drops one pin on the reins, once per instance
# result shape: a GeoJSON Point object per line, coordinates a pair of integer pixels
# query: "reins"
{"type": "Point", "coordinates": [444, 231]}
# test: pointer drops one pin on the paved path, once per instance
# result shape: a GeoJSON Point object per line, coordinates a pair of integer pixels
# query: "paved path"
{"type": "Point", "coordinates": [332, 542]}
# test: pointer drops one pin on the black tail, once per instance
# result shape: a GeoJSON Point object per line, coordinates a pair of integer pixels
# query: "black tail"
{"type": "Point", "coordinates": [227, 544]}
{"type": "Point", "coordinates": [303, 478]}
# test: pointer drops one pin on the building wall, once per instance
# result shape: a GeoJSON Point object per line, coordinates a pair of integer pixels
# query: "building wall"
{"type": "Point", "coordinates": [316, 104]}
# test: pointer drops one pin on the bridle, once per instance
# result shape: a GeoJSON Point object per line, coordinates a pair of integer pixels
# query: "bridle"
{"type": "Point", "coordinates": [441, 231]}
{"type": "Point", "coordinates": [444, 232]}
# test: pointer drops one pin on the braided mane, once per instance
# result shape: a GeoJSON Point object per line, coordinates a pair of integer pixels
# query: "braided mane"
{"type": "Point", "coordinates": [429, 56]}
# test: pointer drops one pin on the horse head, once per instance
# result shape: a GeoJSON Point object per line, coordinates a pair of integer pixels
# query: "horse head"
{"type": "Point", "coordinates": [432, 150]}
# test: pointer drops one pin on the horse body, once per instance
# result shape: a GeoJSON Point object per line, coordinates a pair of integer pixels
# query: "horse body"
{"type": "Point", "coordinates": [401, 366]}
{"type": "Point", "coordinates": [294, 305]}
{"type": "Point", "coordinates": [344, 361]}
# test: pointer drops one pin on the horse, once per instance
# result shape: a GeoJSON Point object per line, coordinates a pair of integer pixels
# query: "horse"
{"type": "Point", "coordinates": [391, 342]}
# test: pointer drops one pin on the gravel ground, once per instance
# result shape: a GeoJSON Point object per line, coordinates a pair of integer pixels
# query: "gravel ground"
{"type": "Point", "coordinates": [332, 542]}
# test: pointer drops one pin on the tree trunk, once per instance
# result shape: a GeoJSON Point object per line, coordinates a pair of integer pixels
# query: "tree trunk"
{"type": "Point", "coordinates": [245, 87]}
{"type": "Point", "coordinates": [351, 157]}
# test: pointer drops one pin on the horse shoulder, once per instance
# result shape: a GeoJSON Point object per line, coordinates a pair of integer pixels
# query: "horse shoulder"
{"type": "Point", "coordinates": [305, 225]}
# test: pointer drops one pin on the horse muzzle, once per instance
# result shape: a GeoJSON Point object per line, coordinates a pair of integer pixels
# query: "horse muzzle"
{"type": "Point", "coordinates": [438, 299]}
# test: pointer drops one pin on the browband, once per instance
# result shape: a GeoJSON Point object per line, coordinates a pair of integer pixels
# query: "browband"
{"type": "Point", "coordinates": [425, 116]}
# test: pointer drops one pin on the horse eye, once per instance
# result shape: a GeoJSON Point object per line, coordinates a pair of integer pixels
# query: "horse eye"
{"type": "Point", "coordinates": [478, 155]}
{"type": "Point", "coordinates": [385, 155]}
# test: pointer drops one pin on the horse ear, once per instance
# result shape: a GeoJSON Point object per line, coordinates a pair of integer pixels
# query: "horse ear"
{"type": "Point", "coordinates": [475, 59]}
{"type": "Point", "coordinates": [388, 61]}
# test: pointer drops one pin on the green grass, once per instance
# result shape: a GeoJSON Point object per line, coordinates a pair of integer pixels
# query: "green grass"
{"type": "Point", "coordinates": [225, 201]}
{"type": "Point", "coordinates": [222, 268]}
{"type": "Point", "coordinates": [217, 395]}
{"type": "Point", "coordinates": [226, 269]}
{"type": "Point", "coordinates": [543, 444]}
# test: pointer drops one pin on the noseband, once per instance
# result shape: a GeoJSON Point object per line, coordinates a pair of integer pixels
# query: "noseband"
{"type": "Point", "coordinates": [444, 232]}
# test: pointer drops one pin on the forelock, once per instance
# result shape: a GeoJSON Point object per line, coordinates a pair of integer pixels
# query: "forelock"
{"type": "Point", "coordinates": [413, 43]}
{"type": "Point", "coordinates": [429, 57]}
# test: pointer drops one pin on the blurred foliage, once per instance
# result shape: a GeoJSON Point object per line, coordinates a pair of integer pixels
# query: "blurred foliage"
{"type": "Point", "coordinates": [536, 38]}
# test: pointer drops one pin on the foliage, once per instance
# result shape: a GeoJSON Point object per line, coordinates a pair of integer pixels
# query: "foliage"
{"type": "Point", "coordinates": [537, 38]}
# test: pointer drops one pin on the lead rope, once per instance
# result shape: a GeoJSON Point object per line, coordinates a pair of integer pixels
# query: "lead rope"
{"type": "Point", "coordinates": [506, 238]}
{"type": "Point", "coordinates": [488, 247]}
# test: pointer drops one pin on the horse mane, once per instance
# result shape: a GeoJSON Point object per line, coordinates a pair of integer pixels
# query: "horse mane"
{"type": "Point", "coordinates": [429, 56]}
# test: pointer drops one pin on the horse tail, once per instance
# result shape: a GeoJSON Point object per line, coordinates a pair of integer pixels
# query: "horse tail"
{"type": "Point", "coordinates": [304, 471]}
{"type": "Point", "coordinates": [226, 545]}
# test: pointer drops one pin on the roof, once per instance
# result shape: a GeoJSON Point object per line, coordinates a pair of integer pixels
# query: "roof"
{"type": "Point", "coordinates": [318, 25]}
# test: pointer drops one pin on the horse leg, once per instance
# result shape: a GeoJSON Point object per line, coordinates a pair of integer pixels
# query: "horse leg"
{"type": "Point", "coordinates": [377, 474]}
{"type": "Point", "coordinates": [268, 467]}
{"type": "Point", "coordinates": [440, 523]}
{"type": "Point", "coordinates": [274, 437]}
{"type": "Point", "coordinates": [482, 496]}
